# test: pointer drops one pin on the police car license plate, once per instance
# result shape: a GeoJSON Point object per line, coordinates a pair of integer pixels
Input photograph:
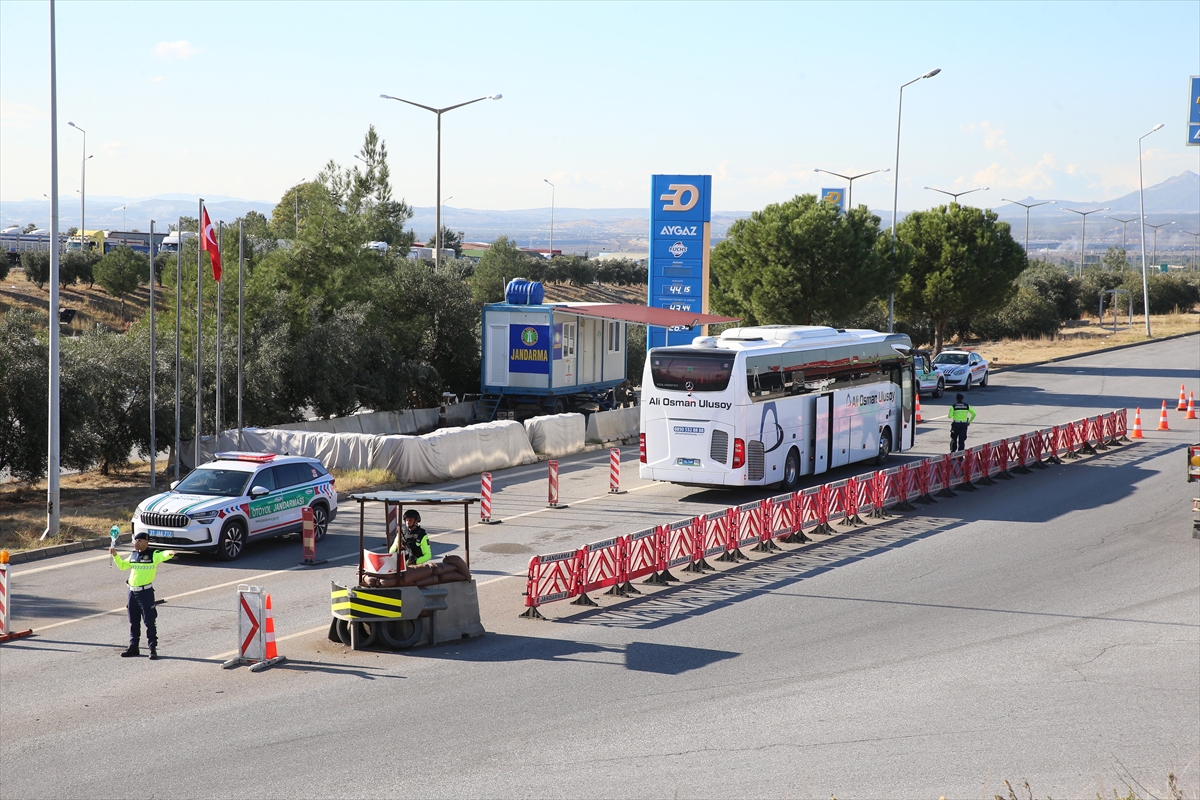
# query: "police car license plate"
{"type": "Point", "coordinates": [688, 462]}
{"type": "Point", "coordinates": [162, 534]}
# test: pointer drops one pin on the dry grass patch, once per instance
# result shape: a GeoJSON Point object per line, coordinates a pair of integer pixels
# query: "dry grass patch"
{"type": "Point", "coordinates": [356, 480]}
{"type": "Point", "coordinates": [1086, 338]}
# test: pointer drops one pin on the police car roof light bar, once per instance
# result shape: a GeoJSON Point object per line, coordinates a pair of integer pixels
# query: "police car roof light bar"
{"type": "Point", "coordinates": [258, 458]}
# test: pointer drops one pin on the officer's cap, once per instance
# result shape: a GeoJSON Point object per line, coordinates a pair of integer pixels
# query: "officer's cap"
{"type": "Point", "coordinates": [141, 535]}
{"type": "Point", "coordinates": [411, 514]}
{"type": "Point", "coordinates": [959, 397]}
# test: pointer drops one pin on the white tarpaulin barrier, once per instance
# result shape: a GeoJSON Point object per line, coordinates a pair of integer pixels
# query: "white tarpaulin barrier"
{"type": "Point", "coordinates": [407, 421]}
{"type": "Point", "coordinates": [455, 452]}
{"type": "Point", "coordinates": [442, 455]}
{"type": "Point", "coordinates": [612, 426]}
{"type": "Point", "coordinates": [557, 434]}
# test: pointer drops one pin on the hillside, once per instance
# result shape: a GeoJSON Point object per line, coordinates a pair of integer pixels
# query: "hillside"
{"type": "Point", "coordinates": [92, 305]}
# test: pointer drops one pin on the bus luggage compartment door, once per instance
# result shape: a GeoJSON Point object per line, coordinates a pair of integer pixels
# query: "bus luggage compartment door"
{"type": "Point", "coordinates": [818, 447]}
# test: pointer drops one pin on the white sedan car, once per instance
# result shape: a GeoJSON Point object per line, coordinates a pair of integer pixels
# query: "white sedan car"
{"type": "Point", "coordinates": [962, 368]}
{"type": "Point", "coordinates": [236, 498]}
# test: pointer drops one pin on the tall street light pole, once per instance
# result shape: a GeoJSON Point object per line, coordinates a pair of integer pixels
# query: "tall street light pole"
{"type": "Point", "coordinates": [1083, 238]}
{"type": "Point", "coordinates": [896, 197]}
{"type": "Point", "coordinates": [551, 216]}
{"type": "Point", "coordinates": [1155, 229]}
{"type": "Point", "coordinates": [851, 179]}
{"type": "Point", "coordinates": [53, 411]}
{"type": "Point", "coordinates": [437, 253]}
{"type": "Point", "coordinates": [957, 195]}
{"type": "Point", "coordinates": [1142, 214]}
{"type": "Point", "coordinates": [82, 185]}
{"type": "Point", "coordinates": [1028, 206]}
{"type": "Point", "coordinates": [1124, 224]}
{"type": "Point", "coordinates": [1195, 238]}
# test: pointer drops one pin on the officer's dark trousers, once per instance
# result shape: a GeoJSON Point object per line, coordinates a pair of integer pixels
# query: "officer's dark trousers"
{"type": "Point", "coordinates": [141, 607]}
{"type": "Point", "coordinates": [958, 436]}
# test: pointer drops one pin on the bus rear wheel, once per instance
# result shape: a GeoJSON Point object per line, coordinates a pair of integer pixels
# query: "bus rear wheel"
{"type": "Point", "coordinates": [791, 471]}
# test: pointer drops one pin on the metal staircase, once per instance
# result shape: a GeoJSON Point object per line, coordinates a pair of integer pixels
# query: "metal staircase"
{"type": "Point", "coordinates": [485, 408]}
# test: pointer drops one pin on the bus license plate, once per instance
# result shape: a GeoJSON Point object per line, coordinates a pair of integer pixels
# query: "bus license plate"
{"type": "Point", "coordinates": [688, 462]}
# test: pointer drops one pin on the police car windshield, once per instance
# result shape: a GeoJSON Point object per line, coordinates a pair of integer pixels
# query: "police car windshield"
{"type": "Point", "coordinates": [217, 482]}
{"type": "Point", "coordinates": [951, 358]}
{"type": "Point", "coordinates": [691, 372]}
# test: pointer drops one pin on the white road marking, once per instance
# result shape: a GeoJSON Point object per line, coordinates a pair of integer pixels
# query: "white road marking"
{"type": "Point", "coordinates": [60, 566]}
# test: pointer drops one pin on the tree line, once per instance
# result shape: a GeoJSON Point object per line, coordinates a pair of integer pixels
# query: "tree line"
{"type": "Point", "coordinates": [956, 272]}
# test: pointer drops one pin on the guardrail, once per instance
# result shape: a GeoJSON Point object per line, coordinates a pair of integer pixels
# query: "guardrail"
{"type": "Point", "coordinates": [653, 552]}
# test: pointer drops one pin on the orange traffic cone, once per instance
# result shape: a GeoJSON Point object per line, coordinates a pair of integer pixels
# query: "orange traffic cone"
{"type": "Point", "coordinates": [1191, 410]}
{"type": "Point", "coordinates": [1136, 433]}
{"type": "Point", "coordinates": [269, 630]}
{"type": "Point", "coordinates": [919, 418]}
{"type": "Point", "coordinates": [1162, 418]}
{"type": "Point", "coordinates": [1182, 400]}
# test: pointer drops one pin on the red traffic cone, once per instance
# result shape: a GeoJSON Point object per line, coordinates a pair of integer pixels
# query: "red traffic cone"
{"type": "Point", "coordinates": [1182, 400]}
{"type": "Point", "coordinates": [1191, 409]}
{"type": "Point", "coordinates": [919, 417]}
{"type": "Point", "coordinates": [1136, 433]}
{"type": "Point", "coordinates": [1162, 418]}
{"type": "Point", "coordinates": [269, 631]}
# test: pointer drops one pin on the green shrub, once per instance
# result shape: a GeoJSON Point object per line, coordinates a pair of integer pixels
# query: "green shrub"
{"type": "Point", "coordinates": [1027, 315]}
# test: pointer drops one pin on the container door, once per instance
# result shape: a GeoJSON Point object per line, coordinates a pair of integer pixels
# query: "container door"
{"type": "Point", "coordinates": [587, 350]}
{"type": "Point", "coordinates": [497, 355]}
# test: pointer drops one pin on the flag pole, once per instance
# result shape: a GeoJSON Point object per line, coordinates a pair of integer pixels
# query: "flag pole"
{"type": "Point", "coordinates": [53, 509]}
{"type": "Point", "coordinates": [153, 396]}
{"type": "Point", "coordinates": [220, 283]}
{"type": "Point", "coordinates": [241, 272]}
{"type": "Point", "coordinates": [199, 331]}
{"type": "Point", "coordinates": [178, 310]}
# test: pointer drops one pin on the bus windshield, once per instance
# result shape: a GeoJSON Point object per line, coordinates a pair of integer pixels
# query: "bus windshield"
{"type": "Point", "coordinates": [691, 372]}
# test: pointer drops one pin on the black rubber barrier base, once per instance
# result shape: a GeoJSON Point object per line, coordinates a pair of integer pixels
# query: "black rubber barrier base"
{"type": "Point", "coordinates": [532, 613]}
{"type": "Point", "coordinates": [584, 600]}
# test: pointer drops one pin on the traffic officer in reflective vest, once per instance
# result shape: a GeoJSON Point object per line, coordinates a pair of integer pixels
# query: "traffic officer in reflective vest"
{"type": "Point", "coordinates": [143, 563]}
{"type": "Point", "coordinates": [414, 538]}
{"type": "Point", "coordinates": [961, 415]}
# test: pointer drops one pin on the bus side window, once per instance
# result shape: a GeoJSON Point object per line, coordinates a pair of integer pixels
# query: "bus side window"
{"type": "Point", "coordinates": [764, 378]}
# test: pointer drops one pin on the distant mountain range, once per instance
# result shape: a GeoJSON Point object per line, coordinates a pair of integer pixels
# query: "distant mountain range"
{"type": "Point", "coordinates": [596, 230]}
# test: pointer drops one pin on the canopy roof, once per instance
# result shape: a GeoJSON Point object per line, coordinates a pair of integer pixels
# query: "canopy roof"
{"type": "Point", "coordinates": [644, 315]}
{"type": "Point", "coordinates": [415, 498]}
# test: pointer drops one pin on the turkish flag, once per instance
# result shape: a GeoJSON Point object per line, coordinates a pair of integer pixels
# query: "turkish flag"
{"type": "Point", "coordinates": [208, 241]}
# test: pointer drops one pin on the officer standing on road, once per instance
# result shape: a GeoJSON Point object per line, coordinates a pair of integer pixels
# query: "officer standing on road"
{"type": "Point", "coordinates": [414, 538]}
{"type": "Point", "coordinates": [961, 415]}
{"type": "Point", "coordinates": [143, 563]}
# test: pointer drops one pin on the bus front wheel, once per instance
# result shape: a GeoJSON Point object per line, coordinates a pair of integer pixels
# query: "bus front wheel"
{"type": "Point", "coordinates": [885, 446]}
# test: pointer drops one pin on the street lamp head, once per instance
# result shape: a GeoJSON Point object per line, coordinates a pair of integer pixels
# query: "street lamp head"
{"type": "Point", "coordinates": [495, 97]}
{"type": "Point", "coordinates": [932, 72]}
{"type": "Point", "coordinates": [72, 124]}
{"type": "Point", "coordinates": [1156, 127]}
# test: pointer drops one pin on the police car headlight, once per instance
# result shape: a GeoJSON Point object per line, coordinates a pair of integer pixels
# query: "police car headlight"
{"type": "Point", "coordinates": [203, 516]}
{"type": "Point", "coordinates": [960, 371]}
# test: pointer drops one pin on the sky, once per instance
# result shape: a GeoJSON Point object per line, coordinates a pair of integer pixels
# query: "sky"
{"type": "Point", "coordinates": [1043, 100]}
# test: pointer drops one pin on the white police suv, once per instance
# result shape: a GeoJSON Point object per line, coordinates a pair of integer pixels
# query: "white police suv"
{"type": "Point", "coordinates": [237, 497]}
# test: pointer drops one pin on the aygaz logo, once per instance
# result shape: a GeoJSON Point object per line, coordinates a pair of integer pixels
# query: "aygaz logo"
{"type": "Point", "coordinates": [674, 198]}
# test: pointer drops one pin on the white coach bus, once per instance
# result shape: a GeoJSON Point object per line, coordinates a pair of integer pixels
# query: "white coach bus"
{"type": "Point", "coordinates": [766, 405]}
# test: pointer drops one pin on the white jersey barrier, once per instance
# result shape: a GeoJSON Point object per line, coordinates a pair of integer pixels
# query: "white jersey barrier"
{"type": "Point", "coordinates": [445, 454]}
{"type": "Point", "coordinates": [615, 425]}
{"type": "Point", "coordinates": [557, 434]}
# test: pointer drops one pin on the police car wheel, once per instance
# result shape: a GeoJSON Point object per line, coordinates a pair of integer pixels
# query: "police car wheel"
{"type": "Point", "coordinates": [983, 382]}
{"type": "Point", "coordinates": [941, 388]}
{"type": "Point", "coordinates": [320, 521]}
{"type": "Point", "coordinates": [967, 388]}
{"type": "Point", "coordinates": [232, 541]}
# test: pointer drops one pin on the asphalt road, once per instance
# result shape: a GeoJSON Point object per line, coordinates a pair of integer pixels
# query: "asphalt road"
{"type": "Point", "coordinates": [1044, 629]}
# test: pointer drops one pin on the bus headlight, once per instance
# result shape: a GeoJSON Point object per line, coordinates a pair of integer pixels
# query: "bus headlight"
{"type": "Point", "coordinates": [739, 453]}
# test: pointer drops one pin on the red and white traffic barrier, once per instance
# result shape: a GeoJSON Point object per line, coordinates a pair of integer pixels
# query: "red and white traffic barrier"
{"type": "Point", "coordinates": [654, 551]}
{"type": "Point", "coordinates": [252, 634]}
{"type": "Point", "coordinates": [552, 475]}
{"type": "Point", "coordinates": [614, 471]}
{"type": "Point", "coordinates": [485, 501]}
{"type": "Point", "coordinates": [6, 632]}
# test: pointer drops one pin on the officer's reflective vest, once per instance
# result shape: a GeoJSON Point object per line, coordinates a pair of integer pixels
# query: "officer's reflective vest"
{"type": "Point", "coordinates": [961, 412]}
